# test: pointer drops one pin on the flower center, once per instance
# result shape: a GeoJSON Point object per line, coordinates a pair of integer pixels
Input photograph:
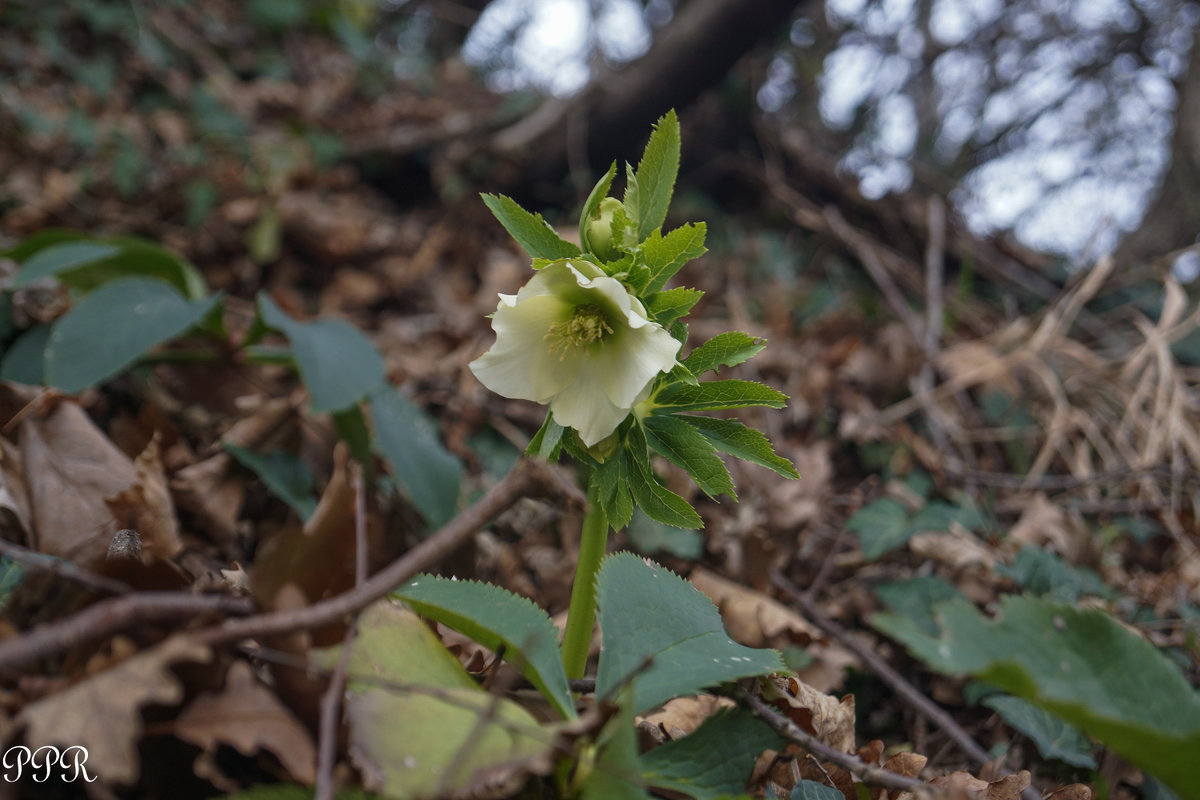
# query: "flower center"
{"type": "Point", "coordinates": [586, 326]}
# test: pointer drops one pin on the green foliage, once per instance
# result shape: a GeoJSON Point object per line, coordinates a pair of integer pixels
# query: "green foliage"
{"type": "Point", "coordinates": [1053, 737]}
{"type": "Point", "coordinates": [501, 621]}
{"type": "Point", "coordinates": [649, 192]}
{"type": "Point", "coordinates": [716, 396]}
{"type": "Point", "coordinates": [663, 256]}
{"type": "Point", "coordinates": [1045, 574]}
{"type": "Point", "coordinates": [665, 637]}
{"type": "Point", "coordinates": [530, 230]}
{"type": "Point", "coordinates": [687, 448]}
{"type": "Point", "coordinates": [715, 759]}
{"type": "Point", "coordinates": [650, 536]}
{"type": "Point", "coordinates": [11, 574]}
{"type": "Point", "coordinates": [723, 350]}
{"type": "Point", "coordinates": [617, 771]}
{"type": "Point", "coordinates": [113, 327]}
{"type": "Point", "coordinates": [812, 790]}
{"type": "Point", "coordinates": [666, 307]}
{"type": "Point", "coordinates": [732, 437]}
{"type": "Point", "coordinates": [337, 363]}
{"type": "Point", "coordinates": [1080, 665]}
{"type": "Point", "coordinates": [292, 791]}
{"type": "Point", "coordinates": [884, 524]}
{"type": "Point", "coordinates": [916, 598]}
{"type": "Point", "coordinates": [408, 439]}
{"type": "Point", "coordinates": [286, 476]}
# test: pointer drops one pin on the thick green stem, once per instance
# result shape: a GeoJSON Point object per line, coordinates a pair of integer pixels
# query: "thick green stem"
{"type": "Point", "coordinates": [581, 617]}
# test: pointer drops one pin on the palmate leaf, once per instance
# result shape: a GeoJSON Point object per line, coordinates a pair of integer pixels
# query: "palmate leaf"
{"type": "Point", "coordinates": [1080, 665]}
{"type": "Point", "coordinates": [497, 618]}
{"type": "Point", "coordinates": [687, 448]}
{"type": "Point", "coordinates": [531, 231]}
{"type": "Point", "coordinates": [659, 502]}
{"type": "Point", "coordinates": [663, 636]}
{"type": "Point", "coordinates": [716, 395]}
{"type": "Point", "coordinates": [732, 437]}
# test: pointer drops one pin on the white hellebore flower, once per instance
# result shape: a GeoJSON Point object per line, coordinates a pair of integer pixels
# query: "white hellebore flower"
{"type": "Point", "coordinates": [576, 339]}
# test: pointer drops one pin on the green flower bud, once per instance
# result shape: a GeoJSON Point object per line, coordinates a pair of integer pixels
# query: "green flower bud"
{"type": "Point", "coordinates": [598, 235]}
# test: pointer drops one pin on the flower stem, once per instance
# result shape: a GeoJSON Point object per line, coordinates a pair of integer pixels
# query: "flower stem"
{"type": "Point", "coordinates": [581, 616]}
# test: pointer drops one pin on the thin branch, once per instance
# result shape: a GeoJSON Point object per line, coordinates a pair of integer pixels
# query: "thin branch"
{"type": "Point", "coordinates": [876, 776]}
{"type": "Point", "coordinates": [904, 690]}
{"type": "Point", "coordinates": [526, 478]}
{"type": "Point", "coordinates": [113, 616]}
{"type": "Point", "coordinates": [101, 584]}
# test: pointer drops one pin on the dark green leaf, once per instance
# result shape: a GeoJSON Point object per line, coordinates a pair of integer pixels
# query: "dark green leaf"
{"type": "Point", "coordinates": [1053, 737]}
{"type": "Point", "coordinates": [812, 790]}
{"type": "Point", "coordinates": [656, 175]}
{"type": "Point", "coordinates": [338, 365]}
{"type": "Point", "coordinates": [612, 486]}
{"type": "Point", "coordinates": [665, 255]}
{"type": "Point", "coordinates": [60, 258]}
{"type": "Point", "coordinates": [497, 618]}
{"type": "Point", "coordinates": [530, 230]}
{"type": "Point", "coordinates": [658, 501]}
{"type": "Point", "coordinates": [409, 440]}
{"type": "Point", "coordinates": [666, 637]}
{"type": "Point", "coordinates": [286, 476]}
{"type": "Point", "coordinates": [115, 325]}
{"type": "Point", "coordinates": [617, 774]}
{"type": "Point", "coordinates": [716, 395]}
{"type": "Point", "coordinates": [688, 449]}
{"type": "Point", "coordinates": [649, 537]}
{"type": "Point", "coordinates": [723, 350]}
{"type": "Point", "coordinates": [25, 360]}
{"type": "Point", "coordinates": [666, 307]}
{"type": "Point", "coordinates": [1080, 665]}
{"type": "Point", "coordinates": [881, 525]}
{"type": "Point", "coordinates": [715, 759]}
{"type": "Point", "coordinates": [915, 598]}
{"type": "Point", "coordinates": [1047, 575]}
{"type": "Point", "coordinates": [732, 437]}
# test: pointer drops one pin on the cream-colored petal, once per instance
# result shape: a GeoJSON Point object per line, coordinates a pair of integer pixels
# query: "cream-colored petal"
{"type": "Point", "coordinates": [520, 365]}
{"type": "Point", "coordinates": [629, 362]}
{"type": "Point", "coordinates": [584, 406]}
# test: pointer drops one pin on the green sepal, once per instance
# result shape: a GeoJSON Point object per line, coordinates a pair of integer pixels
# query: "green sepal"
{"type": "Point", "coordinates": [592, 205]}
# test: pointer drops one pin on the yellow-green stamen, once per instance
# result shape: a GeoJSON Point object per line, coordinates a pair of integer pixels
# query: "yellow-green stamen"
{"type": "Point", "coordinates": [586, 326]}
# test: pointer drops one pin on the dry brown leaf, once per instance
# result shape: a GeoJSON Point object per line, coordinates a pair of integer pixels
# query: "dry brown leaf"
{"type": "Point", "coordinates": [956, 549]}
{"type": "Point", "coordinates": [909, 764]}
{"type": "Point", "coordinates": [829, 719]}
{"type": "Point", "coordinates": [70, 468]}
{"type": "Point", "coordinates": [752, 618]}
{"type": "Point", "coordinates": [147, 506]}
{"type": "Point", "coordinates": [682, 715]}
{"type": "Point", "coordinates": [248, 717]}
{"type": "Point", "coordinates": [103, 712]}
{"type": "Point", "coordinates": [1075, 791]}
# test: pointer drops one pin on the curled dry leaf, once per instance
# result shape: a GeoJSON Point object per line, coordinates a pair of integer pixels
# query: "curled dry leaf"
{"type": "Point", "coordinates": [681, 716]}
{"type": "Point", "coordinates": [146, 506]}
{"type": "Point", "coordinates": [71, 467]}
{"type": "Point", "coordinates": [824, 716]}
{"type": "Point", "coordinates": [103, 712]}
{"type": "Point", "coordinates": [247, 716]}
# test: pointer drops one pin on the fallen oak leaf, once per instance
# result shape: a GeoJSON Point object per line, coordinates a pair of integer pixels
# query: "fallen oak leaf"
{"type": "Point", "coordinates": [247, 716]}
{"type": "Point", "coordinates": [102, 713]}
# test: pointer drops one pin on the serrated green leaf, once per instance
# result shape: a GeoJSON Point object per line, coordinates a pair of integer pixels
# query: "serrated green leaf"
{"type": "Point", "coordinates": [429, 473]}
{"type": "Point", "coordinates": [339, 366]}
{"type": "Point", "coordinates": [656, 174]}
{"type": "Point", "coordinates": [715, 395]}
{"type": "Point", "coordinates": [665, 255]}
{"type": "Point", "coordinates": [631, 200]}
{"type": "Point", "coordinates": [530, 231]}
{"type": "Point", "coordinates": [418, 722]}
{"type": "Point", "coordinates": [686, 448]}
{"type": "Point", "coordinates": [497, 618]}
{"type": "Point", "coordinates": [1080, 665]}
{"type": "Point", "coordinates": [612, 485]}
{"type": "Point", "coordinates": [660, 633]}
{"type": "Point", "coordinates": [658, 501]}
{"type": "Point", "coordinates": [286, 476]}
{"type": "Point", "coordinates": [114, 326]}
{"type": "Point", "coordinates": [812, 790]}
{"type": "Point", "coordinates": [592, 205]}
{"type": "Point", "coordinates": [666, 307]}
{"type": "Point", "coordinates": [1053, 737]}
{"type": "Point", "coordinates": [723, 350]}
{"type": "Point", "coordinates": [732, 437]}
{"type": "Point", "coordinates": [881, 525]}
{"type": "Point", "coordinates": [714, 760]}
